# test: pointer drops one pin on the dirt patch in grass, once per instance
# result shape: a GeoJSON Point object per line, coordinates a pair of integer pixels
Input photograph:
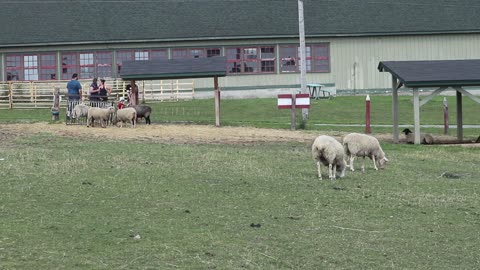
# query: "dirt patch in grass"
{"type": "Point", "coordinates": [172, 133]}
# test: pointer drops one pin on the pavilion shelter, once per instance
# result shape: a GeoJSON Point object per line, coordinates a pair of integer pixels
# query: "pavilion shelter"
{"type": "Point", "coordinates": [439, 74]}
{"type": "Point", "coordinates": [168, 69]}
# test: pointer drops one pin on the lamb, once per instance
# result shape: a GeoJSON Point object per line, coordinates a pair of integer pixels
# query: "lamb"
{"type": "Point", "coordinates": [362, 145]}
{"type": "Point", "coordinates": [144, 111]}
{"type": "Point", "coordinates": [328, 151]}
{"type": "Point", "coordinates": [424, 137]}
{"type": "Point", "coordinates": [102, 114]}
{"type": "Point", "coordinates": [127, 115]}
{"type": "Point", "coordinates": [81, 110]}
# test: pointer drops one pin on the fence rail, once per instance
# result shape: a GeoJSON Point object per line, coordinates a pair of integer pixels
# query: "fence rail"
{"type": "Point", "coordinates": [39, 94]}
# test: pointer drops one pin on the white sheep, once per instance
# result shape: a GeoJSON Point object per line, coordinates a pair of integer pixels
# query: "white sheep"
{"type": "Point", "coordinates": [81, 110]}
{"type": "Point", "coordinates": [362, 145]}
{"type": "Point", "coordinates": [425, 138]}
{"type": "Point", "coordinates": [328, 151]}
{"type": "Point", "coordinates": [127, 115]}
{"type": "Point", "coordinates": [102, 114]}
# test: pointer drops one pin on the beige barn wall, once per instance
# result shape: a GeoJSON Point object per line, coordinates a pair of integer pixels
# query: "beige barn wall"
{"type": "Point", "coordinates": [354, 60]}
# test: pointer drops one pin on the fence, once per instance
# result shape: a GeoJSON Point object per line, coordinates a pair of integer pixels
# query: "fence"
{"type": "Point", "coordinates": [39, 94]}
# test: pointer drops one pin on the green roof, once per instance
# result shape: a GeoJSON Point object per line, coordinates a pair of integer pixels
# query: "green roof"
{"type": "Point", "coordinates": [174, 68]}
{"type": "Point", "coordinates": [111, 21]}
{"type": "Point", "coordinates": [434, 73]}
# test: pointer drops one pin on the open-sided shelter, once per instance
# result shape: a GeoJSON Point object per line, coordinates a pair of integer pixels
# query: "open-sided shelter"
{"type": "Point", "coordinates": [440, 74]}
{"type": "Point", "coordinates": [178, 69]}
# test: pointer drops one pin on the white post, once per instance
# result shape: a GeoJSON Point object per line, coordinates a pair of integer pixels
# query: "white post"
{"type": "Point", "coordinates": [303, 62]}
{"type": "Point", "coordinates": [416, 114]}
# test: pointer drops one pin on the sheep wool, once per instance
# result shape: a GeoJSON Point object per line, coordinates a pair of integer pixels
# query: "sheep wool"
{"type": "Point", "coordinates": [127, 115]}
{"type": "Point", "coordinates": [425, 138]}
{"type": "Point", "coordinates": [81, 110]}
{"type": "Point", "coordinates": [328, 151]}
{"type": "Point", "coordinates": [102, 114]}
{"type": "Point", "coordinates": [144, 111]}
{"type": "Point", "coordinates": [362, 145]}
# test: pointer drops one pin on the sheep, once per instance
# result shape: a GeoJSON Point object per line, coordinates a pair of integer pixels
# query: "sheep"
{"type": "Point", "coordinates": [81, 110]}
{"type": "Point", "coordinates": [328, 151]}
{"type": "Point", "coordinates": [102, 114]}
{"type": "Point", "coordinates": [127, 115]}
{"type": "Point", "coordinates": [362, 145]}
{"type": "Point", "coordinates": [144, 111]}
{"type": "Point", "coordinates": [424, 137]}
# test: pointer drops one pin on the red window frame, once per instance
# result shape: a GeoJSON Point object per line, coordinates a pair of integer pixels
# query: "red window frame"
{"type": "Point", "coordinates": [317, 57]}
{"type": "Point", "coordinates": [251, 59]}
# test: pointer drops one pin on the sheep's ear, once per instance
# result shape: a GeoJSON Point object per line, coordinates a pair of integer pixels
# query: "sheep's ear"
{"type": "Point", "coordinates": [385, 158]}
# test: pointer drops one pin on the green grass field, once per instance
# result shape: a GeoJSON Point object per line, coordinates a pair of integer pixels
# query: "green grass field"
{"type": "Point", "coordinates": [78, 204]}
{"type": "Point", "coordinates": [84, 203]}
{"type": "Point", "coordinates": [264, 113]}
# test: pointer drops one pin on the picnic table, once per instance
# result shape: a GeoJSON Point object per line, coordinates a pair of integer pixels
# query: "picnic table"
{"type": "Point", "coordinates": [315, 89]}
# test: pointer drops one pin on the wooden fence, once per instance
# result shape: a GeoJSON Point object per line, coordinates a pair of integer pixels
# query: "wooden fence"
{"type": "Point", "coordinates": [39, 94]}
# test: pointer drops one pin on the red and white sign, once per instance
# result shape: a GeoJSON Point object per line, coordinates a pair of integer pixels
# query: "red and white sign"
{"type": "Point", "coordinates": [302, 101]}
{"type": "Point", "coordinates": [285, 101]}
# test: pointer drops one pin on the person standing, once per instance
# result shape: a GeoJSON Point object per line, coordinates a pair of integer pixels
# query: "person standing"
{"type": "Point", "coordinates": [74, 93]}
{"type": "Point", "coordinates": [94, 92]}
{"type": "Point", "coordinates": [105, 90]}
{"type": "Point", "coordinates": [132, 92]}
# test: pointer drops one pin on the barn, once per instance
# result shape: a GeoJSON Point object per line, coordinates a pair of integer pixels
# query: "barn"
{"type": "Point", "coordinates": [345, 40]}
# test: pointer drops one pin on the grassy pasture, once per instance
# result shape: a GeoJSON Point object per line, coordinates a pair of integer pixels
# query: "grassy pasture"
{"type": "Point", "coordinates": [78, 204]}
{"type": "Point", "coordinates": [263, 113]}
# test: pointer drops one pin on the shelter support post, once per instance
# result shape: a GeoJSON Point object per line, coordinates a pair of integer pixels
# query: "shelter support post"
{"type": "Point", "coordinates": [459, 117]}
{"type": "Point", "coordinates": [416, 114]}
{"type": "Point", "coordinates": [395, 109]}
{"type": "Point", "coordinates": [217, 101]}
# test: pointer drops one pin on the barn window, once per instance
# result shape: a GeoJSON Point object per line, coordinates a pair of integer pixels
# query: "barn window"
{"type": "Point", "coordinates": [251, 59]}
{"type": "Point", "coordinates": [195, 52]}
{"type": "Point", "coordinates": [317, 58]}
{"type": "Point", "coordinates": [87, 67]}
{"type": "Point", "coordinates": [48, 67]}
{"type": "Point", "coordinates": [14, 68]}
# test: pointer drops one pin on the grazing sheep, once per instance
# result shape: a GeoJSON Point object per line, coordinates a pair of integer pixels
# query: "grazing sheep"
{"type": "Point", "coordinates": [144, 111]}
{"type": "Point", "coordinates": [102, 114]}
{"type": "Point", "coordinates": [81, 110]}
{"type": "Point", "coordinates": [127, 115]}
{"type": "Point", "coordinates": [328, 151]}
{"type": "Point", "coordinates": [362, 145]}
{"type": "Point", "coordinates": [424, 137]}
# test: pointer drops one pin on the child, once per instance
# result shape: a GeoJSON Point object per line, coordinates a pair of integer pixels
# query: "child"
{"type": "Point", "coordinates": [121, 103]}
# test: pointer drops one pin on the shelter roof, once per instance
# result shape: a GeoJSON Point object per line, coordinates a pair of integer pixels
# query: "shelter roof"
{"type": "Point", "coordinates": [434, 73]}
{"type": "Point", "coordinates": [174, 68]}
{"type": "Point", "coordinates": [56, 22]}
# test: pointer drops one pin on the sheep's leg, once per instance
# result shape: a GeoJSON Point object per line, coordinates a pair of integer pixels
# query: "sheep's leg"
{"type": "Point", "coordinates": [363, 165]}
{"type": "Point", "coordinates": [330, 172]}
{"type": "Point", "coordinates": [351, 163]}
{"type": "Point", "coordinates": [318, 170]}
{"type": "Point", "coordinates": [374, 163]}
{"type": "Point", "coordinates": [334, 172]}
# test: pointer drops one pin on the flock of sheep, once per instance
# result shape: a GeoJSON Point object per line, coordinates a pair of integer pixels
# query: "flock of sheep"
{"type": "Point", "coordinates": [328, 151]}
{"type": "Point", "coordinates": [116, 116]}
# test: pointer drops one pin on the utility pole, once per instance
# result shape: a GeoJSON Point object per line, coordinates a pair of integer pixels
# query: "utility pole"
{"type": "Point", "coordinates": [303, 61]}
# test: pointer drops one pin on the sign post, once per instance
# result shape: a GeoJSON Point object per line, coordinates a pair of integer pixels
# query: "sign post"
{"type": "Point", "coordinates": [367, 115]}
{"type": "Point", "coordinates": [293, 102]}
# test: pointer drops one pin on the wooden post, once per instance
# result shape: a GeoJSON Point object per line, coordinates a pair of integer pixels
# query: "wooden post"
{"type": "Point", "coordinates": [56, 104]}
{"type": "Point", "coordinates": [416, 115]}
{"type": "Point", "coordinates": [395, 109]}
{"type": "Point", "coordinates": [302, 56]}
{"type": "Point", "coordinates": [459, 117]}
{"type": "Point", "coordinates": [293, 122]}
{"type": "Point", "coordinates": [217, 101]}
{"type": "Point", "coordinates": [445, 116]}
{"type": "Point", "coordinates": [367, 115]}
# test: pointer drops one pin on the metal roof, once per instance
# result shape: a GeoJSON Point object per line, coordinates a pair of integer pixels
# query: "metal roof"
{"type": "Point", "coordinates": [56, 22]}
{"type": "Point", "coordinates": [174, 68]}
{"type": "Point", "coordinates": [435, 73]}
